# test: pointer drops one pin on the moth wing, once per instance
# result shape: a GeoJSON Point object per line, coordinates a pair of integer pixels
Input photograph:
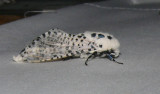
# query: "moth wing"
{"type": "Point", "coordinates": [47, 47]}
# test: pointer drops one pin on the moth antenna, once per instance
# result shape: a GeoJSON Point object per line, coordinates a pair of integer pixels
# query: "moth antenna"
{"type": "Point", "coordinates": [112, 59]}
{"type": "Point", "coordinates": [117, 61]}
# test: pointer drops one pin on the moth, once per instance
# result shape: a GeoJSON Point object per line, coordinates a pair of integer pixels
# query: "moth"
{"type": "Point", "coordinates": [58, 45]}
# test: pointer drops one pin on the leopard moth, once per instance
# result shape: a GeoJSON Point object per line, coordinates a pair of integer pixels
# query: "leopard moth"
{"type": "Point", "coordinates": [58, 45]}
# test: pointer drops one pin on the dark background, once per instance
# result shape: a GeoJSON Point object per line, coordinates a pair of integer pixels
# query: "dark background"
{"type": "Point", "coordinates": [13, 10]}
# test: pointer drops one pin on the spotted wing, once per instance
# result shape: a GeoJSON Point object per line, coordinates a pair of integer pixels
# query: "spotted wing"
{"type": "Point", "coordinates": [52, 45]}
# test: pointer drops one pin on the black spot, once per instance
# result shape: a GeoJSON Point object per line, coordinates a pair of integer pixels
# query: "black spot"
{"type": "Point", "coordinates": [93, 34]}
{"type": "Point", "coordinates": [69, 51]}
{"type": "Point", "coordinates": [82, 44]}
{"type": "Point", "coordinates": [69, 35]}
{"type": "Point", "coordinates": [61, 56]}
{"type": "Point", "coordinates": [100, 46]}
{"type": "Point", "coordinates": [100, 36]}
{"type": "Point", "coordinates": [55, 33]}
{"type": "Point", "coordinates": [33, 43]}
{"type": "Point", "coordinates": [43, 35]}
{"type": "Point", "coordinates": [84, 37]}
{"type": "Point", "coordinates": [81, 40]}
{"type": "Point", "coordinates": [73, 44]}
{"type": "Point", "coordinates": [77, 52]}
{"type": "Point", "coordinates": [82, 34]}
{"type": "Point", "coordinates": [49, 33]}
{"type": "Point", "coordinates": [73, 35]}
{"type": "Point", "coordinates": [88, 53]}
{"type": "Point", "coordinates": [109, 37]}
{"type": "Point", "coordinates": [79, 36]}
{"type": "Point", "coordinates": [78, 45]}
{"type": "Point", "coordinates": [22, 50]}
{"type": "Point", "coordinates": [89, 49]}
{"type": "Point", "coordinates": [71, 39]}
{"type": "Point", "coordinates": [54, 55]}
{"type": "Point", "coordinates": [92, 46]}
{"type": "Point", "coordinates": [38, 38]}
{"type": "Point", "coordinates": [67, 55]}
{"type": "Point", "coordinates": [76, 39]}
{"type": "Point", "coordinates": [29, 46]}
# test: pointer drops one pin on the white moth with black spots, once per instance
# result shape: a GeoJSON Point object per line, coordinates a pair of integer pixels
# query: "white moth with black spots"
{"type": "Point", "coordinates": [58, 45]}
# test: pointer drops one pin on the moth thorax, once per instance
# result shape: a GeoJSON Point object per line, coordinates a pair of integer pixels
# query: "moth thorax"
{"type": "Point", "coordinates": [106, 44]}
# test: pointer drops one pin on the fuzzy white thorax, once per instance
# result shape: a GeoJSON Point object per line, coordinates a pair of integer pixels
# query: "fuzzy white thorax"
{"type": "Point", "coordinates": [107, 44]}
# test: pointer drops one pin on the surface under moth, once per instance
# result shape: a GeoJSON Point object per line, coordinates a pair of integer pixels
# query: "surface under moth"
{"type": "Point", "coordinates": [59, 45]}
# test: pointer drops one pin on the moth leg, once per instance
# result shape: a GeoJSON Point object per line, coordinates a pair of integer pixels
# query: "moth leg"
{"type": "Point", "coordinates": [92, 55]}
{"type": "Point", "coordinates": [112, 59]}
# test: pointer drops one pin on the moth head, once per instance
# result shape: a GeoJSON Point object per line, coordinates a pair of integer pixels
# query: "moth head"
{"type": "Point", "coordinates": [104, 42]}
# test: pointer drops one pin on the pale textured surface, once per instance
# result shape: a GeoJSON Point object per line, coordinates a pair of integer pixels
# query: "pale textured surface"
{"type": "Point", "coordinates": [137, 31]}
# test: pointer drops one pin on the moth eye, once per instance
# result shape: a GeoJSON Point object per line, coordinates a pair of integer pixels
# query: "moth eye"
{"type": "Point", "coordinates": [100, 36]}
{"type": "Point", "coordinates": [93, 34]}
{"type": "Point", "coordinates": [109, 37]}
